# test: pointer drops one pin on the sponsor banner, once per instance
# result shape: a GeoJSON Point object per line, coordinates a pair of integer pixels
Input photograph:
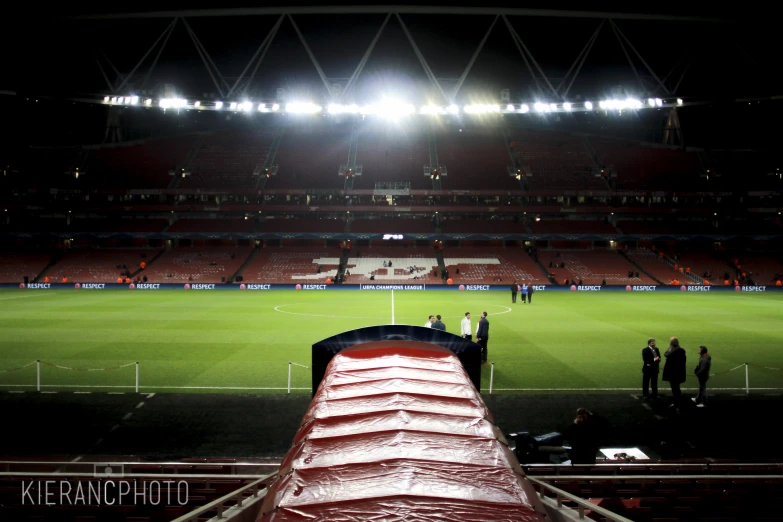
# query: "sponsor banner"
{"type": "Point", "coordinates": [399, 287]}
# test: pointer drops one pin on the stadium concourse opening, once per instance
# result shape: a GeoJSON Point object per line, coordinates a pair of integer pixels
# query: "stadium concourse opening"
{"type": "Point", "coordinates": [397, 430]}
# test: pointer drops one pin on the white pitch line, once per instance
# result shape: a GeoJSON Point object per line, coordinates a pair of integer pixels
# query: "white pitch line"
{"type": "Point", "coordinates": [392, 292]}
{"type": "Point", "coordinates": [27, 295]}
{"type": "Point", "coordinates": [278, 307]}
{"type": "Point", "coordinates": [114, 427]}
{"type": "Point", "coordinates": [139, 405]}
{"type": "Point", "coordinates": [127, 416]}
{"type": "Point", "coordinates": [77, 458]}
{"type": "Point", "coordinates": [151, 395]}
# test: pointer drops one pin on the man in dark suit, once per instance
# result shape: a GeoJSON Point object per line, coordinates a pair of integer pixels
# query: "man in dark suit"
{"type": "Point", "coordinates": [674, 369]}
{"type": "Point", "coordinates": [438, 324]}
{"type": "Point", "coordinates": [482, 336]}
{"type": "Point", "coordinates": [652, 361]}
{"type": "Point", "coordinates": [514, 290]}
{"type": "Point", "coordinates": [529, 293]}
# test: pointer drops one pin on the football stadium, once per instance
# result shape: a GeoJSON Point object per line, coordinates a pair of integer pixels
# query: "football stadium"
{"type": "Point", "coordinates": [390, 262]}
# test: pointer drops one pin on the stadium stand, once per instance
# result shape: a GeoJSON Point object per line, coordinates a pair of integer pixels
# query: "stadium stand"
{"type": "Point", "coordinates": [653, 265]}
{"type": "Point", "coordinates": [667, 227]}
{"type": "Point", "coordinates": [213, 225]}
{"type": "Point", "coordinates": [98, 265]}
{"type": "Point", "coordinates": [392, 155]}
{"type": "Point", "coordinates": [571, 226]}
{"type": "Point", "coordinates": [392, 226]}
{"type": "Point", "coordinates": [139, 165]}
{"type": "Point", "coordinates": [47, 166]}
{"type": "Point", "coordinates": [227, 160]}
{"type": "Point", "coordinates": [291, 265]}
{"type": "Point", "coordinates": [14, 266]}
{"type": "Point", "coordinates": [475, 226]}
{"type": "Point", "coordinates": [475, 159]}
{"type": "Point", "coordinates": [487, 266]}
{"type": "Point", "coordinates": [556, 160]}
{"type": "Point", "coordinates": [311, 158]}
{"type": "Point", "coordinates": [334, 226]}
{"type": "Point", "coordinates": [640, 166]}
{"type": "Point", "coordinates": [763, 268]}
{"type": "Point", "coordinates": [117, 225]}
{"type": "Point", "coordinates": [592, 267]}
{"type": "Point", "coordinates": [407, 264]}
{"type": "Point", "coordinates": [197, 265]}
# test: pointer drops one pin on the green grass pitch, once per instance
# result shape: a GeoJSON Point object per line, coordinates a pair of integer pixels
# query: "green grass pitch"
{"type": "Point", "coordinates": [188, 341]}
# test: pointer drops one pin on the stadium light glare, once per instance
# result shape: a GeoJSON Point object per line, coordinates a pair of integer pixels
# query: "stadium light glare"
{"type": "Point", "coordinates": [219, 105]}
{"type": "Point", "coordinates": [121, 99]}
{"type": "Point", "coordinates": [302, 108]}
{"type": "Point", "coordinates": [567, 106]}
{"type": "Point", "coordinates": [453, 109]}
{"type": "Point", "coordinates": [589, 105]}
{"type": "Point", "coordinates": [275, 107]}
{"type": "Point", "coordinates": [510, 107]}
{"type": "Point", "coordinates": [540, 107]}
{"type": "Point", "coordinates": [432, 109]}
{"type": "Point", "coordinates": [197, 103]}
{"type": "Point", "coordinates": [679, 101]}
{"type": "Point", "coordinates": [658, 102]}
{"type": "Point", "coordinates": [553, 107]}
{"type": "Point", "coordinates": [106, 99]}
{"type": "Point", "coordinates": [650, 102]}
{"type": "Point", "coordinates": [134, 100]}
{"type": "Point", "coordinates": [232, 106]}
{"type": "Point", "coordinates": [164, 103]}
{"type": "Point", "coordinates": [524, 108]}
{"type": "Point", "coordinates": [148, 102]}
{"type": "Point", "coordinates": [247, 106]}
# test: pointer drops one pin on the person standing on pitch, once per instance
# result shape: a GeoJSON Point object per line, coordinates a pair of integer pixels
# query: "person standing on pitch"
{"type": "Point", "coordinates": [429, 322]}
{"type": "Point", "coordinates": [652, 361]}
{"type": "Point", "coordinates": [674, 369]}
{"type": "Point", "coordinates": [438, 324]}
{"type": "Point", "coordinates": [466, 327]}
{"type": "Point", "coordinates": [702, 372]}
{"type": "Point", "coordinates": [529, 293]}
{"type": "Point", "coordinates": [482, 336]}
{"type": "Point", "coordinates": [514, 289]}
{"type": "Point", "coordinates": [525, 290]}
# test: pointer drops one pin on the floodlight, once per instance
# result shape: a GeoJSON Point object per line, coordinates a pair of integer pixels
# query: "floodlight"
{"type": "Point", "coordinates": [553, 107]}
{"type": "Point", "coordinates": [650, 102]}
{"type": "Point", "coordinates": [567, 106]}
{"type": "Point", "coordinates": [275, 107]}
{"type": "Point", "coordinates": [106, 99]}
{"type": "Point", "coordinates": [134, 100]}
{"type": "Point", "coordinates": [589, 105]}
{"type": "Point", "coordinates": [120, 99]}
{"type": "Point", "coordinates": [509, 107]}
{"type": "Point", "coordinates": [602, 104]}
{"type": "Point", "coordinates": [219, 105]}
{"type": "Point", "coordinates": [658, 102]}
{"type": "Point", "coordinates": [197, 103]}
{"type": "Point", "coordinates": [524, 108]}
{"type": "Point", "coordinates": [453, 109]}
{"type": "Point", "coordinates": [247, 106]}
{"type": "Point", "coordinates": [148, 102]}
{"type": "Point", "coordinates": [164, 103]}
{"type": "Point", "coordinates": [302, 108]}
{"type": "Point", "coordinates": [679, 101]}
{"type": "Point", "coordinates": [540, 107]}
{"type": "Point", "coordinates": [334, 108]}
{"type": "Point", "coordinates": [233, 106]}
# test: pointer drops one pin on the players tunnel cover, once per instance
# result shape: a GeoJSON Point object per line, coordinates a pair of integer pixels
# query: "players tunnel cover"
{"type": "Point", "coordinates": [397, 431]}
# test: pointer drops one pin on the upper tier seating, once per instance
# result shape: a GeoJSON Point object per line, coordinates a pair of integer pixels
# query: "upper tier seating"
{"type": "Point", "coordinates": [228, 159]}
{"type": "Point", "coordinates": [557, 160]}
{"type": "Point", "coordinates": [392, 156]}
{"type": "Point", "coordinates": [291, 265]}
{"type": "Point", "coordinates": [640, 167]}
{"type": "Point", "coordinates": [197, 265]}
{"type": "Point", "coordinates": [213, 225]}
{"type": "Point", "coordinates": [572, 227]}
{"type": "Point", "coordinates": [592, 267]}
{"type": "Point", "coordinates": [303, 226]}
{"type": "Point", "coordinates": [486, 266]}
{"type": "Point", "coordinates": [474, 226]}
{"type": "Point", "coordinates": [15, 265]}
{"type": "Point", "coordinates": [475, 159]}
{"type": "Point", "coordinates": [667, 227]}
{"type": "Point", "coordinates": [144, 165]}
{"type": "Point", "coordinates": [117, 225]}
{"type": "Point", "coordinates": [311, 158]}
{"type": "Point", "coordinates": [97, 266]}
{"type": "Point", "coordinates": [392, 226]}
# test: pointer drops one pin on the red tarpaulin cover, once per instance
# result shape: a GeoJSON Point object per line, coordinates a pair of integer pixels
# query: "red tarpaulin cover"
{"type": "Point", "coordinates": [396, 431]}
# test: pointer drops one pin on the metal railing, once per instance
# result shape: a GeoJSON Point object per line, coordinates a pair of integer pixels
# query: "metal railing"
{"type": "Point", "coordinates": [83, 467]}
{"type": "Point", "coordinates": [673, 467]}
{"type": "Point", "coordinates": [582, 504]}
{"type": "Point", "coordinates": [238, 495]}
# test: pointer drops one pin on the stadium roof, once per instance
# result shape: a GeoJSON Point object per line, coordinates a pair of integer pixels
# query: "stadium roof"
{"type": "Point", "coordinates": [428, 52]}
